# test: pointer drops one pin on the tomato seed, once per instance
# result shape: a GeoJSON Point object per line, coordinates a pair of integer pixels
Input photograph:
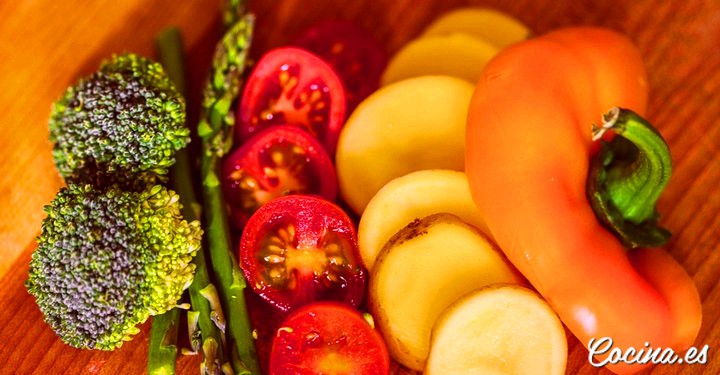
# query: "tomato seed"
{"type": "Point", "coordinates": [274, 259]}
{"type": "Point", "coordinates": [332, 249]}
{"type": "Point", "coordinates": [276, 273]}
{"type": "Point", "coordinates": [337, 260]}
{"type": "Point", "coordinates": [297, 150]}
{"type": "Point", "coordinates": [270, 172]}
{"type": "Point", "coordinates": [275, 249]}
{"type": "Point", "coordinates": [278, 157]}
{"type": "Point", "coordinates": [315, 96]}
{"type": "Point", "coordinates": [248, 183]}
{"type": "Point", "coordinates": [312, 340]}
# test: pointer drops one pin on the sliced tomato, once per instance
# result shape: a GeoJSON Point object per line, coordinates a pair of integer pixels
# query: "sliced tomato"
{"type": "Point", "coordinates": [292, 86]}
{"type": "Point", "coordinates": [298, 249]}
{"type": "Point", "coordinates": [328, 338]}
{"type": "Point", "coordinates": [277, 161]}
{"type": "Point", "coordinates": [357, 57]}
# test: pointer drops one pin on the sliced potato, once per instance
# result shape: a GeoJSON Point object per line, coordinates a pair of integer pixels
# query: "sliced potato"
{"type": "Point", "coordinates": [458, 55]}
{"type": "Point", "coordinates": [504, 329]}
{"type": "Point", "coordinates": [414, 196]}
{"type": "Point", "coordinates": [423, 269]}
{"type": "Point", "coordinates": [415, 124]}
{"type": "Point", "coordinates": [490, 25]}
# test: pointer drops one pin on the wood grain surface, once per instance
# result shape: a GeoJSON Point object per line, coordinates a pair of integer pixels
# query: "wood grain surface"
{"type": "Point", "coordinates": [46, 45]}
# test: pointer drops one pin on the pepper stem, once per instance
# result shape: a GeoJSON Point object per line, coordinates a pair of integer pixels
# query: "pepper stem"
{"type": "Point", "coordinates": [627, 177]}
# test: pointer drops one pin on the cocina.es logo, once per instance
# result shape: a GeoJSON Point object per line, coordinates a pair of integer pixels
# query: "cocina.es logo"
{"type": "Point", "coordinates": [647, 354]}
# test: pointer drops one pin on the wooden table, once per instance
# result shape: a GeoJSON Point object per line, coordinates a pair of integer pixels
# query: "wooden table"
{"type": "Point", "coordinates": [46, 45]}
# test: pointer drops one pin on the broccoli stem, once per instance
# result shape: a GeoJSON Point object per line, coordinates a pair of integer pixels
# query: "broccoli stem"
{"type": "Point", "coordinates": [206, 321]}
{"type": "Point", "coordinates": [215, 132]}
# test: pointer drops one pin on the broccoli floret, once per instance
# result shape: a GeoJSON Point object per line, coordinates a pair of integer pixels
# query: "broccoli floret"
{"type": "Point", "coordinates": [125, 122]}
{"type": "Point", "coordinates": [107, 259]}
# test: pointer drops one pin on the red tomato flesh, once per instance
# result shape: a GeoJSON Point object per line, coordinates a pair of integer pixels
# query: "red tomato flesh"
{"type": "Point", "coordinates": [292, 86]}
{"type": "Point", "coordinates": [357, 57]}
{"type": "Point", "coordinates": [298, 249]}
{"type": "Point", "coordinates": [277, 161]}
{"type": "Point", "coordinates": [328, 338]}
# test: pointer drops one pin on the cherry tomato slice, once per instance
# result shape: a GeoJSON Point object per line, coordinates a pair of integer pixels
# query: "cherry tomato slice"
{"type": "Point", "coordinates": [328, 338]}
{"type": "Point", "coordinates": [277, 161]}
{"type": "Point", "coordinates": [357, 57]}
{"type": "Point", "coordinates": [300, 248]}
{"type": "Point", "coordinates": [292, 86]}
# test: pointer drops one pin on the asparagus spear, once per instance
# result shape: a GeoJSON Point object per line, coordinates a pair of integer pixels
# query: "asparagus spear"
{"type": "Point", "coordinates": [215, 132]}
{"type": "Point", "coordinates": [162, 351]}
{"type": "Point", "coordinates": [163, 343]}
{"type": "Point", "coordinates": [233, 11]}
{"type": "Point", "coordinates": [205, 322]}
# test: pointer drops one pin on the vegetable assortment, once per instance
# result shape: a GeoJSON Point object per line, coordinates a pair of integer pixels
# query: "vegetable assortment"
{"type": "Point", "coordinates": [366, 214]}
{"type": "Point", "coordinates": [295, 246]}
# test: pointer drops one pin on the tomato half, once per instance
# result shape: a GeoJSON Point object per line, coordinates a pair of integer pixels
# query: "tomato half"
{"type": "Point", "coordinates": [357, 57]}
{"type": "Point", "coordinates": [277, 161]}
{"type": "Point", "coordinates": [300, 248]}
{"type": "Point", "coordinates": [328, 338]}
{"type": "Point", "coordinates": [292, 86]}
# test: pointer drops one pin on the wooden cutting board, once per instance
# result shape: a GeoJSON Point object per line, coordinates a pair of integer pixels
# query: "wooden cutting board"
{"type": "Point", "coordinates": [46, 45]}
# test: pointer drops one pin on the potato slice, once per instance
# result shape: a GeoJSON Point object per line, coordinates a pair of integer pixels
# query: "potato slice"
{"type": "Point", "coordinates": [490, 25]}
{"type": "Point", "coordinates": [501, 329]}
{"type": "Point", "coordinates": [423, 269]}
{"type": "Point", "coordinates": [415, 124]}
{"type": "Point", "coordinates": [414, 196]}
{"type": "Point", "coordinates": [458, 55]}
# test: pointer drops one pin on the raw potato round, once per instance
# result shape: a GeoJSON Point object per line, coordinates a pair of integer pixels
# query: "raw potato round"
{"type": "Point", "coordinates": [458, 55]}
{"type": "Point", "coordinates": [414, 124]}
{"type": "Point", "coordinates": [492, 26]}
{"type": "Point", "coordinates": [424, 268]}
{"type": "Point", "coordinates": [414, 196]}
{"type": "Point", "coordinates": [501, 329]}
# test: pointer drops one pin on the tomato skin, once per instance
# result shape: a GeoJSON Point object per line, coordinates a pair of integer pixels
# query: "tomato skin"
{"type": "Point", "coordinates": [292, 86]}
{"type": "Point", "coordinates": [276, 161]}
{"type": "Point", "coordinates": [300, 248]}
{"type": "Point", "coordinates": [357, 57]}
{"type": "Point", "coordinates": [527, 157]}
{"type": "Point", "coordinates": [328, 338]}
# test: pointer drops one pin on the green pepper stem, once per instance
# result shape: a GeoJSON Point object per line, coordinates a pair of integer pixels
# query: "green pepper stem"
{"type": "Point", "coordinates": [628, 176]}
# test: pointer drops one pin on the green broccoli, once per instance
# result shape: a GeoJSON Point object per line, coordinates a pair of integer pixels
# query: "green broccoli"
{"type": "Point", "coordinates": [124, 123]}
{"type": "Point", "coordinates": [107, 259]}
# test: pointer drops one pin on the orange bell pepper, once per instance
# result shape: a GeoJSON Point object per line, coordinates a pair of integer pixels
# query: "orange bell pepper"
{"type": "Point", "coordinates": [529, 149]}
